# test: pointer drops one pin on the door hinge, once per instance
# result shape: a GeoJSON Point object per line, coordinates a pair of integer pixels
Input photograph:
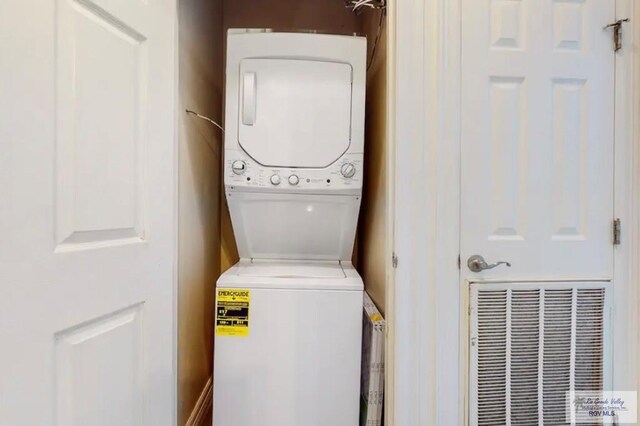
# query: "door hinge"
{"type": "Point", "coordinates": [617, 229]}
{"type": "Point", "coordinates": [394, 259]}
{"type": "Point", "coordinates": [617, 33]}
{"type": "Point", "coordinates": [459, 262]}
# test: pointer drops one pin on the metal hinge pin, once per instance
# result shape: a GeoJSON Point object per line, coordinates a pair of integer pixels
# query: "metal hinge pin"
{"type": "Point", "coordinates": [617, 33]}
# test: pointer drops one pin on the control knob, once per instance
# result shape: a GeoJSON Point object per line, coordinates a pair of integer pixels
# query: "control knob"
{"type": "Point", "coordinates": [275, 180]}
{"type": "Point", "coordinates": [293, 180]}
{"type": "Point", "coordinates": [348, 170]}
{"type": "Point", "coordinates": [239, 167]}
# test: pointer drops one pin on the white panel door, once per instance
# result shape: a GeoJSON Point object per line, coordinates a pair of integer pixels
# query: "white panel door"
{"type": "Point", "coordinates": [87, 212]}
{"type": "Point", "coordinates": [537, 138]}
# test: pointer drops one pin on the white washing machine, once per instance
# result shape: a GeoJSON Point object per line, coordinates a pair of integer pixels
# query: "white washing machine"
{"type": "Point", "coordinates": [289, 314]}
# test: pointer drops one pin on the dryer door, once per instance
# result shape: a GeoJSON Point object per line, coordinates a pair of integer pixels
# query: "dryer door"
{"type": "Point", "coordinates": [294, 113]}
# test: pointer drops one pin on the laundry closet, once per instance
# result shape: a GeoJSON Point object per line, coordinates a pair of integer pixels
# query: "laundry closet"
{"type": "Point", "coordinates": [207, 242]}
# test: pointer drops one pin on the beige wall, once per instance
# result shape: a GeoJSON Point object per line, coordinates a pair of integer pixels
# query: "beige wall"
{"type": "Point", "coordinates": [200, 150]}
{"type": "Point", "coordinates": [322, 15]}
{"type": "Point", "coordinates": [372, 244]}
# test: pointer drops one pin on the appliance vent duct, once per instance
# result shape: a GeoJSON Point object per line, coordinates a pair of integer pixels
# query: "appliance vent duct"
{"type": "Point", "coordinates": [532, 343]}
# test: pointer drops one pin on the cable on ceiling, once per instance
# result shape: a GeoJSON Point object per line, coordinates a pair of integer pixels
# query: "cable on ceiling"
{"type": "Point", "coordinates": [375, 43]}
{"type": "Point", "coordinates": [357, 6]}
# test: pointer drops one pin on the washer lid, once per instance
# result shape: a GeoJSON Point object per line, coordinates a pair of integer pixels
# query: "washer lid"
{"type": "Point", "coordinates": [294, 112]}
{"type": "Point", "coordinates": [292, 269]}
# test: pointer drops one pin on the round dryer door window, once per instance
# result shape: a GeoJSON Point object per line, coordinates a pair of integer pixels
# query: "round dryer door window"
{"type": "Point", "coordinates": [294, 113]}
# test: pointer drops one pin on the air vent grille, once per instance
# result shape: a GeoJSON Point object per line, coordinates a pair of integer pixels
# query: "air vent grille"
{"type": "Point", "coordinates": [492, 370]}
{"type": "Point", "coordinates": [532, 343]}
{"type": "Point", "coordinates": [525, 346]}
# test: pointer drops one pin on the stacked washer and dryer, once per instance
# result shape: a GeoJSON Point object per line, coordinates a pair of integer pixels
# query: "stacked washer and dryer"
{"type": "Point", "coordinates": [289, 313]}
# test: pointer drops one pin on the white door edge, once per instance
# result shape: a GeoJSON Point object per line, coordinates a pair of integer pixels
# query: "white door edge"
{"type": "Point", "coordinates": [391, 49]}
{"type": "Point", "coordinates": [176, 208]}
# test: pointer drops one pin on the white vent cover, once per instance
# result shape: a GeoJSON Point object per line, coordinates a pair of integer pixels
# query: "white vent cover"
{"type": "Point", "coordinates": [531, 343]}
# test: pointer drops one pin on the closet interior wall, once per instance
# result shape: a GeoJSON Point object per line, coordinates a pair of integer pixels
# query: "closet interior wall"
{"type": "Point", "coordinates": [206, 244]}
{"type": "Point", "coordinates": [373, 253]}
{"type": "Point", "coordinates": [200, 62]}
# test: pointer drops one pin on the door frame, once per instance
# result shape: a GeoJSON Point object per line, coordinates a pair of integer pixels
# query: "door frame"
{"type": "Point", "coordinates": [176, 186]}
{"type": "Point", "coordinates": [428, 308]}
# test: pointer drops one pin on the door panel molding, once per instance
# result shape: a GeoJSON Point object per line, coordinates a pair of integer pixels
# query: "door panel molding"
{"type": "Point", "coordinates": [429, 321]}
{"type": "Point", "coordinates": [108, 346]}
{"type": "Point", "coordinates": [100, 134]}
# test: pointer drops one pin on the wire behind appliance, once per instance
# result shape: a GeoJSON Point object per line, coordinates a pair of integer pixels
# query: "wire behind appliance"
{"type": "Point", "coordinates": [188, 111]}
{"type": "Point", "coordinates": [358, 5]}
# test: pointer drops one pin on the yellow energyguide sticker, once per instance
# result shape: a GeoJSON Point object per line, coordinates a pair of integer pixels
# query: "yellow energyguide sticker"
{"type": "Point", "coordinates": [232, 312]}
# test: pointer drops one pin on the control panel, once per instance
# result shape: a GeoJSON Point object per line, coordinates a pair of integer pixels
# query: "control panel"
{"type": "Point", "coordinates": [243, 172]}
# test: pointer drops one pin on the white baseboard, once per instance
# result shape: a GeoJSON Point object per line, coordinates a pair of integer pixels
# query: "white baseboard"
{"type": "Point", "coordinates": [203, 406]}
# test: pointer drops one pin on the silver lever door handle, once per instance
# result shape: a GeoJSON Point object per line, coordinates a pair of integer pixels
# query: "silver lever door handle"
{"type": "Point", "coordinates": [476, 263]}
